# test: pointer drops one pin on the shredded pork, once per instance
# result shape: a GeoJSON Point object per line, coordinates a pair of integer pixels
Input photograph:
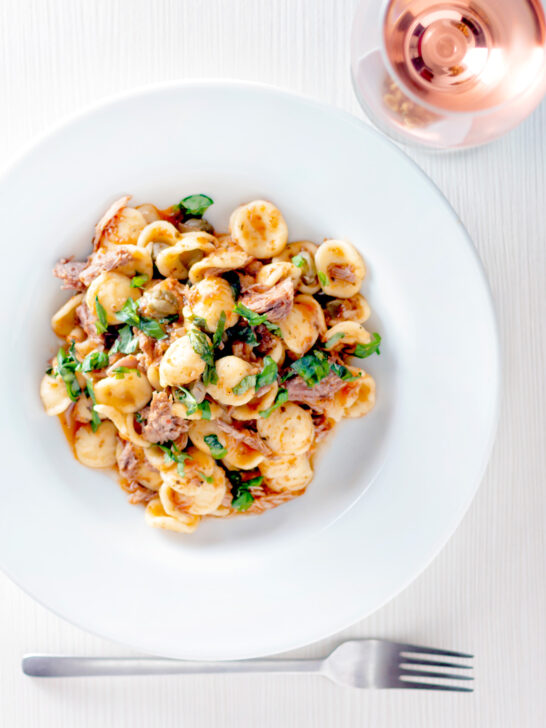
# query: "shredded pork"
{"type": "Point", "coordinates": [68, 271]}
{"type": "Point", "coordinates": [276, 302]}
{"type": "Point", "coordinates": [161, 425]}
{"type": "Point", "coordinates": [243, 434]}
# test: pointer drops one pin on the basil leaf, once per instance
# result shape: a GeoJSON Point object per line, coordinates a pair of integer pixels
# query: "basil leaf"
{"type": "Point", "coordinates": [243, 500]}
{"type": "Point", "coordinates": [172, 454]}
{"type": "Point", "coordinates": [210, 375]}
{"type": "Point", "coordinates": [120, 372]}
{"type": "Point", "coordinates": [245, 384]}
{"type": "Point", "coordinates": [195, 205]}
{"type": "Point", "coordinates": [255, 319]}
{"type": "Point", "coordinates": [129, 313]}
{"type": "Point", "coordinates": [201, 345]}
{"type": "Point", "coordinates": [139, 280]}
{"type": "Point", "coordinates": [280, 399]}
{"type": "Point", "coordinates": [217, 338]}
{"type": "Point", "coordinates": [102, 324]}
{"type": "Point", "coordinates": [299, 260]}
{"type": "Point", "coordinates": [268, 374]}
{"type": "Point", "coordinates": [363, 350]}
{"type": "Point", "coordinates": [199, 321]}
{"type": "Point", "coordinates": [323, 278]}
{"type": "Point", "coordinates": [126, 343]}
{"type": "Point", "coordinates": [95, 419]}
{"type": "Point", "coordinates": [343, 373]}
{"type": "Point", "coordinates": [333, 340]}
{"type": "Point", "coordinates": [312, 367]}
{"type": "Point", "coordinates": [254, 482]}
{"type": "Point", "coordinates": [192, 406]}
{"type": "Point", "coordinates": [67, 365]}
{"type": "Point", "coordinates": [205, 409]}
{"type": "Point", "coordinates": [152, 328]}
{"type": "Point", "coordinates": [217, 450]}
{"type": "Point", "coordinates": [94, 360]}
{"type": "Point", "coordinates": [208, 478]}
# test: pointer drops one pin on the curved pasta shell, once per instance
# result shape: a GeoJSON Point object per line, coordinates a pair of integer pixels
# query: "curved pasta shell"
{"type": "Point", "coordinates": [231, 370]}
{"type": "Point", "coordinates": [53, 395]}
{"type": "Point", "coordinates": [241, 456]}
{"type": "Point", "coordinates": [286, 472]}
{"type": "Point", "coordinates": [179, 409]}
{"type": "Point", "coordinates": [355, 308]}
{"type": "Point", "coordinates": [124, 424]}
{"type": "Point", "coordinates": [159, 231]}
{"type": "Point", "coordinates": [251, 410]}
{"type": "Point", "coordinates": [130, 393]}
{"type": "Point", "coordinates": [141, 262]}
{"type": "Point", "coordinates": [64, 321]}
{"type": "Point", "coordinates": [96, 449]}
{"type": "Point", "coordinates": [208, 298]}
{"type": "Point", "coordinates": [199, 429]}
{"type": "Point", "coordinates": [112, 290]}
{"type": "Point", "coordinates": [180, 364]}
{"type": "Point", "coordinates": [273, 273]}
{"type": "Point", "coordinates": [156, 516]}
{"type": "Point", "coordinates": [308, 282]}
{"type": "Point", "coordinates": [259, 228]}
{"type": "Point", "coordinates": [176, 260]}
{"type": "Point", "coordinates": [334, 258]}
{"type": "Point", "coordinates": [365, 397]}
{"type": "Point", "coordinates": [288, 429]}
{"type": "Point", "coordinates": [300, 329]}
{"type": "Point", "coordinates": [199, 496]}
{"type": "Point", "coordinates": [352, 334]}
{"type": "Point", "coordinates": [226, 258]}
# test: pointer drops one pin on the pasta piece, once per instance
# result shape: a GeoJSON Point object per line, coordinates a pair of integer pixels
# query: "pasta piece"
{"type": "Point", "coordinates": [140, 263]}
{"type": "Point", "coordinates": [286, 472]}
{"type": "Point", "coordinates": [212, 412]}
{"type": "Point", "coordinates": [288, 430]}
{"type": "Point", "coordinates": [257, 404]}
{"type": "Point", "coordinates": [125, 228]}
{"type": "Point", "coordinates": [304, 252]}
{"type": "Point", "coordinates": [65, 320]}
{"type": "Point", "coordinates": [199, 429]}
{"type": "Point", "coordinates": [54, 395]}
{"type": "Point", "coordinates": [346, 334]}
{"type": "Point", "coordinates": [300, 329]}
{"type": "Point", "coordinates": [128, 392]}
{"type": "Point", "coordinates": [96, 449]}
{"type": "Point", "coordinates": [156, 516]}
{"type": "Point", "coordinates": [124, 424]}
{"type": "Point", "coordinates": [259, 228]}
{"type": "Point", "coordinates": [177, 259]}
{"type": "Point", "coordinates": [365, 398]}
{"type": "Point", "coordinates": [273, 273]}
{"type": "Point", "coordinates": [180, 364]}
{"type": "Point", "coordinates": [241, 456]}
{"type": "Point", "coordinates": [340, 267]}
{"type": "Point", "coordinates": [229, 257]}
{"type": "Point", "coordinates": [355, 308]}
{"type": "Point", "coordinates": [231, 371]}
{"type": "Point", "coordinates": [112, 290]}
{"type": "Point", "coordinates": [202, 487]}
{"type": "Point", "coordinates": [208, 299]}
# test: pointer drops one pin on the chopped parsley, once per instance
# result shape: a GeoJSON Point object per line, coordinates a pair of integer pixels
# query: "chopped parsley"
{"type": "Point", "coordinates": [255, 319]}
{"type": "Point", "coordinates": [217, 338]}
{"type": "Point", "coordinates": [201, 345]}
{"type": "Point", "coordinates": [94, 360]}
{"type": "Point", "coordinates": [280, 399]}
{"type": "Point", "coordinates": [139, 280]}
{"type": "Point", "coordinates": [323, 278]}
{"type": "Point", "coordinates": [332, 341]}
{"type": "Point", "coordinates": [95, 419]}
{"type": "Point", "coordinates": [195, 205]}
{"type": "Point", "coordinates": [126, 342]}
{"type": "Point", "coordinates": [172, 454]}
{"type": "Point", "coordinates": [67, 366]}
{"type": "Point", "coordinates": [363, 350]}
{"type": "Point", "coordinates": [217, 450]}
{"type": "Point", "coordinates": [129, 314]}
{"type": "Point", "coordinates": [192, 406]}
{"type": "Point", "coordinates": [102, 323]}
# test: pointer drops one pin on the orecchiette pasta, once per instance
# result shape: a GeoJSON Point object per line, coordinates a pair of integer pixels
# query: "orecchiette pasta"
{"type": "Point", "coordinates": [206, 367]}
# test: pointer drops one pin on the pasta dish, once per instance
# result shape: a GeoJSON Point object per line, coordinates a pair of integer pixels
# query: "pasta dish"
{"type": "Point", "coordinates": [205, 368]}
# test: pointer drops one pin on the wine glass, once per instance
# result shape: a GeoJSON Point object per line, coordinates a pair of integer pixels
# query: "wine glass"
{"type": "Point", "coordinates": [449, 74]}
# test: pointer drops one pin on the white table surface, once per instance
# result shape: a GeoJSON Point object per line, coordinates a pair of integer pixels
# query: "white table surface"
{"type": "Point", "coordinates": [486, 591]}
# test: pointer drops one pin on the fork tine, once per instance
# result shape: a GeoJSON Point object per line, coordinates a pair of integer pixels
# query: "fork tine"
{"type": "Point", "coordinates": [431, 686]}
{"type": "Point", "coordinates": [434, 663]}
{"type": "Point", "coordinates": [430, 673]}
{"type": "Point", "coordinates": [431, 651]}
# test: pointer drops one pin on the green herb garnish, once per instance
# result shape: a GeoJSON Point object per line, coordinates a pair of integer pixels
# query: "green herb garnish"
{"type": "Point", "coordinates": [201, 345]}
{"type": "Point", "coordinates": [280, 399]}
{"type": "Point", "coordinates": [208, 478]}
{"type": "Point", "coordinates": [139, 280]}
{"type": "Point", "coordinates": [94, 360]}
{"type": "Point", "coordinates": [343, 373]}
{"type": "Point", "coordinates": [255, 319]}
{"type": "Point", "coordinates": [51, 372]}
{"type": "Point", "coordinates": [67, 365]}
{"type": "Point", "coordinates": [126, 343]}
{"type": "Point", "coordinates": [129, 314]}
{"type": "Point", "coordinates": [245, 384]}
{"type": "Point", "coordinates": [192, 406]}
{"type": "Point", "coordinates": [268, 374]}
{"type": "Point", "coordinates": [102, 323]}
{"type": "Point", "coordinates": [217, 450]}
{"type": "Point", "coordinates": [195, 205]}
{"type": "Point", "coordinates": [120, 372]}
{"type": "Point", "coordinates": [312, 367]}
{"type": "Point", "coordinates": [333, 340]}
{"type": "Point", "coordinates": [299, 260]}
{"type": "Point", "coordinates": [323, 278]}
{"type": "Point", "coordinates": [217, 338]}
{"type": "Point", "coordinates": [172, 454]}
{"type": "Point", "coordinates": [242, 498]}
{"type": "Point", "coordinates": [95, 419]}
{"type": "Point", "coordinates": [363, 350]}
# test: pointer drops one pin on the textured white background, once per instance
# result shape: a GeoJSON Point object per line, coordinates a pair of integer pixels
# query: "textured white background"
{"type": "Point", "coordinates": [486, 591]}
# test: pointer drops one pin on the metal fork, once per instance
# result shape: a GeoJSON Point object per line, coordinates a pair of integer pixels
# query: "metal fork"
{"type": "Point", "coordinates": [370, 663]}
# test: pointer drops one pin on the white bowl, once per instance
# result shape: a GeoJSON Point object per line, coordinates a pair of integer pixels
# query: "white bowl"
{"type": "Point", "coordinates": [389, 489]}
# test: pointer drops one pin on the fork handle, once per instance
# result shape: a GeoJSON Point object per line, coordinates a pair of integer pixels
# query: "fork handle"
{"type": "Point", "coordinates": [62, 666]}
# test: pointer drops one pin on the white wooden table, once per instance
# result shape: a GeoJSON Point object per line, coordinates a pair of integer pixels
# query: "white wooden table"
{"type": "Point", "coordinates": [486, 591]}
